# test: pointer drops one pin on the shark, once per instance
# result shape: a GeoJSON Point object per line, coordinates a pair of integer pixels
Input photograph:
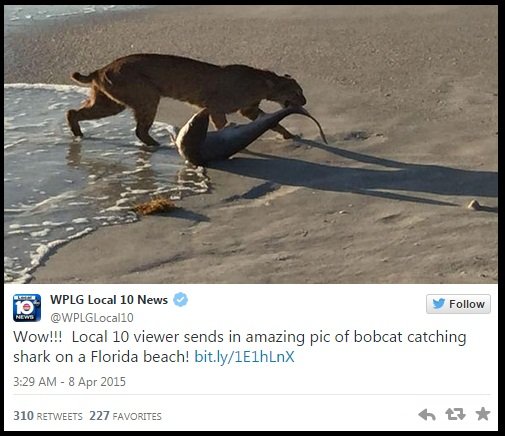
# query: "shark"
{"type": "Point", "coordinates": [200, 147]}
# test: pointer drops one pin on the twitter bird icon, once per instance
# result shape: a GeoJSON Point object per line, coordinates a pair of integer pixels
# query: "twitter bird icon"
{"type": "Point", "coordinates": [438, 304]}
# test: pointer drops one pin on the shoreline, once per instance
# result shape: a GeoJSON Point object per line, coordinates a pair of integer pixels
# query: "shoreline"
{"type": "Point", "coordinates": [410, 111]}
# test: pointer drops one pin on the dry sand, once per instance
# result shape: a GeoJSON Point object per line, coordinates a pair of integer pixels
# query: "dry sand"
{"type": "Point", "coordinates": [408, 99]}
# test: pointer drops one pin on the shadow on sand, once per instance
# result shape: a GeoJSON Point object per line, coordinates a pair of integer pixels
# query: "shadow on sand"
{"type": "Point", "coordinates": [185, 214]}
{"type": "Point", "coordinates": [396, 176]}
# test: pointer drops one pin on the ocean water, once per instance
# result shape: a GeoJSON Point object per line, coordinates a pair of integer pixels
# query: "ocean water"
{"type": "Point", "coordinates": [57, 188]}
{"type": "Point", "coordinates": [17, 16]}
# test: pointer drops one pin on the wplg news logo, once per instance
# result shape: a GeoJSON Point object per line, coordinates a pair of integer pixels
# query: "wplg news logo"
{"type": "Point", "coordinates": [26, 307]}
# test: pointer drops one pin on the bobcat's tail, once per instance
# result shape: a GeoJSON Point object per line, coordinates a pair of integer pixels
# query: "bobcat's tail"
{"type": "Point", "coordinates": [84, 80]}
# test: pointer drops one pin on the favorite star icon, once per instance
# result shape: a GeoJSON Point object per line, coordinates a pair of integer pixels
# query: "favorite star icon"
{"type": "Point", "coordinates": [483, 413]}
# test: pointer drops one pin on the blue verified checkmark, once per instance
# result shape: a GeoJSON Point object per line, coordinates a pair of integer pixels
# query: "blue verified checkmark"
{"type": "Point", "coordinates": [180, 299]}
{"type": "Point", "coordinates": [438, 304]}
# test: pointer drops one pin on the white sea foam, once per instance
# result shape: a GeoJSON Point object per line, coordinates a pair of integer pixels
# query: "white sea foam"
{"type": "Point", "coordinates": [44, 250]}
{"type": "Point", "coordinates": [47, 87]}
{"type": "Point", "coordinates": [40, 233]}
{"type": "Point", "coordinates": [80, 221]}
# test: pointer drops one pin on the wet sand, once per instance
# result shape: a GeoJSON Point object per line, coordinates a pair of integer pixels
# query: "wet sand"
{"type": "Point", "coordinates": [408, 100]}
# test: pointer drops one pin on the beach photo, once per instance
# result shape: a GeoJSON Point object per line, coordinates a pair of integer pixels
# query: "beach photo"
{"type": "Point", "coordinates": [287, 144]}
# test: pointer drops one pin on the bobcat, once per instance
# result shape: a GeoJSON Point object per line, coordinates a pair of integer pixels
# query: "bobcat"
{"type": "Point", "coordinates": [139, 81]}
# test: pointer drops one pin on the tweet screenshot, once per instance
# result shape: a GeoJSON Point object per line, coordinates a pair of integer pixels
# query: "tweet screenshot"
{"type": "Point", "coordinates": [251, 357]}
